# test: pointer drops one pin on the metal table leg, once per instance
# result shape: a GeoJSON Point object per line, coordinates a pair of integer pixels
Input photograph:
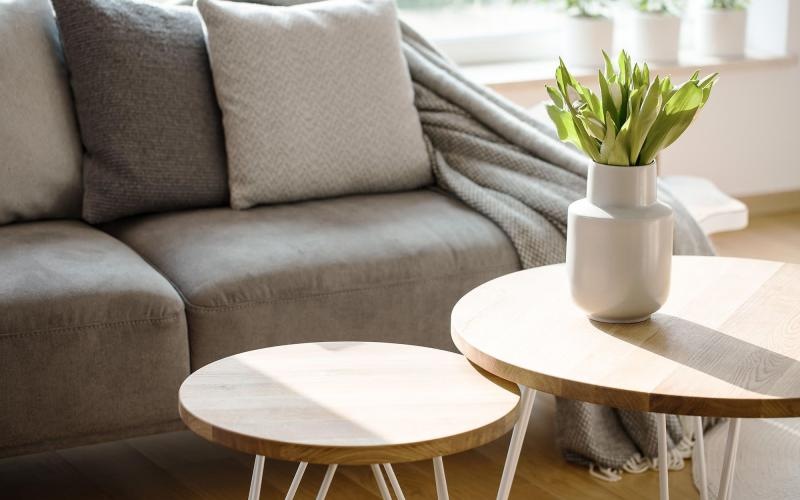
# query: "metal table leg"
{"type": "Point", "coordinates": [441, 481]}
{"type": "Point", "coordinates": [376, 471]}
{"type": "Point", "coordinates": [517, 438]}
{"type": "Point", "coordinates": [398, 492]}
{"type": "Point", "coordinates": [326, 482]}
{"type": "Point", "coordinates": [699, 441]}
{"type": "Point", "coordinates": [298, 476]}
{"type": "Point", "coordinates": [255, 481]}
{"type": "Point", "coordinates": [732, 445]}
{"type": "Point", "coordinates": [663, 461]}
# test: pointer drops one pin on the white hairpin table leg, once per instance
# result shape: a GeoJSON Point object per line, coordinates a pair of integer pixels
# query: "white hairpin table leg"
{"type": "Point", "coordinates": [700, 453]}
{"type": "Point", "coordinates": [663, 462]}
{"type": "Point", "coordinates": [517, 438]}
{"type": "Point", "coordinates": [376, 471]}
{"type": "Point", "coordinates": [726, 481]}
{"type": "Point", "coordinates": [326, 481]}
{"type": "Point", "coordinates": [255, 481]}
{"type": "Point", "coordinates": [441, 480]}
{"type": "Point", "coordinates": [398, 492]}
{"type": "Point", "coordinates": [298, 476]}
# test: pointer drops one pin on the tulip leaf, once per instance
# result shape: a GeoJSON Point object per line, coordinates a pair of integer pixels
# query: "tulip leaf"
{"type": "Point", "coordinates": [631, 119]}
{"type": "Point", "coordinates": [555, 97]}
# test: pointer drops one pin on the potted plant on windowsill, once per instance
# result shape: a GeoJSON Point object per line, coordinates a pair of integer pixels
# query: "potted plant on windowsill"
{"type": "Point", "coordinates": [652, 30]}
{"type": "Point", "coordinates": [619, 238]}
{"type": "Point", "coordinates": [585, 31]}
{"type": "Point", "coordinates": [719, 28]}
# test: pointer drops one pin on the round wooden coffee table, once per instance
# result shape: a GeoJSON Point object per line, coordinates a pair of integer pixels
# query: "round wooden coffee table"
{"type": "Point", "coordinates": [726, 344]}
{"type": "Point", "coordinates": [353, 403]}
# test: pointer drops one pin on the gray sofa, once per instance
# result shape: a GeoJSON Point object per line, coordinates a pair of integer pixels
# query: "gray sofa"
{"type": "Point", "coordinates": [99, 325]}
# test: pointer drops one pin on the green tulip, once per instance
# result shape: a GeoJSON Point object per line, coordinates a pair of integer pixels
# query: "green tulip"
{"type": "Point", "coordinates": [632, 119]}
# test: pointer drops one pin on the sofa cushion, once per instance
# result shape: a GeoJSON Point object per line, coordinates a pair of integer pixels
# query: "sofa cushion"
{"type": "Point", "coordinates": [93, 341]}
{"type": "Point", "coordinates": [40, 151]}
{"type": "Point", "coordinates": [316, 100]}
{"type": "Point", "coordinates": [369, 267]}
{"type": "Point", "coordinates": [146, 105]}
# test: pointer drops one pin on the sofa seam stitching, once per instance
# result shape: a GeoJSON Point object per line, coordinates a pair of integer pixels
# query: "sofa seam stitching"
{"type": "Point", "coordinates": [91, 326]}
{"type": "Point", "coordinates": [252, 303]}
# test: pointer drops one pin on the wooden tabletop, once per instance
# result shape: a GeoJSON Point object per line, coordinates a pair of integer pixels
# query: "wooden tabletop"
{"type": "Point", "coordinates": [727, 343]}
{"type": "Point", "coordinates": [348, 403]}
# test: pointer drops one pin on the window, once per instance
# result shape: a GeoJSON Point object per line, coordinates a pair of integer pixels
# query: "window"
{"type": "Point", "coordinates": [477, 31]}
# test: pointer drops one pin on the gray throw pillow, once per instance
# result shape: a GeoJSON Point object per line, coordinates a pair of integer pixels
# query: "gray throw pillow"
{"type": "Point", "coordinates": [40, 151]}
{"type": "Point", "coordinates": [316, 100]}
{"type": "Point", "coordinates": [145, 101]}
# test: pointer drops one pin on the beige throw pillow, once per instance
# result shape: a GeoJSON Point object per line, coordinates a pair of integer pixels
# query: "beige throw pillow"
{"type": "Point", "coordinates": [316, 100]}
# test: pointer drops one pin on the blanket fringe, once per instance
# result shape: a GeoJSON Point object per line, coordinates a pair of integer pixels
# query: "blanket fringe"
{"type": "Point", "coordinates": [638, 464]}
{"type": "Point", "coordinates": [605, 473]}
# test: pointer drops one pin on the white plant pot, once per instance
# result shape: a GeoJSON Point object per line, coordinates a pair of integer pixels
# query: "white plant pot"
{"type": "Point", "coordinates": [652, 37]}
{"type": "Point", "coordinates": [720, 32]}
{"type": "Point", "coordinates": [583, 39]}
{"type": "Point", "coordinates": [619, 245]}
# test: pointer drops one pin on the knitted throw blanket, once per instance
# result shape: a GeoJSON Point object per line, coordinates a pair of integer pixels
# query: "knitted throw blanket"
{"type": "Point", "coordinates": [502, 162]}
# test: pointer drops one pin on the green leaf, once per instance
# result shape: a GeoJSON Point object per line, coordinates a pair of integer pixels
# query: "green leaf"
{"type": "Point", "coordinates": [610, 73]}
{"type": "Point", "coordinates": [666, 88]}
{"type": "Point", "coordinates": [587, 143]}
{"type": "Point", "coordinates": [564, 126]}
{"type": "Point", "coordinates": [618, 154]}
{"type": "Point", "coordinates": [708, 81]}
{"type": "Point", "coordinates": [672, 121]}
{"type": "Point", "coordinates": [609, 140]}
{"type": "Point", "coordinates": [591, 100]}
{"type": "Point", "coordinates": [606, 97]}
{"type": "Point", "coordinates": [621, 94]}
{"type": "Point", "coordinates": [646, 117]}
{"type": "Point", "coordinates": [560, 83]}
{"type": "Point", "coordinates": [593, 126]}
{"type": "Point", "coordinates": [637, 76]}
{"type": "Point", "coordinates": [624, 70]}
{"type": "Point", "coordinates": [555, 96]}
{"type": "Point", "coordinates": [706, 84]}
{"type": "Point", "coordinates": [687, 97]}
{"type": "Point", "coordinates": [630, 119]}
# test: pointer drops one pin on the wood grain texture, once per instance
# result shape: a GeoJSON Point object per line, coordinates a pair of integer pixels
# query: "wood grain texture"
{"type": "Point", "coordinates": [348, 403]}
{"type": "Point", "coordinates": [727, 343]}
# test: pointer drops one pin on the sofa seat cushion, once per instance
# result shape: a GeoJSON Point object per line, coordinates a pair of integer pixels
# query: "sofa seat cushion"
{"type": "Point", "coordinates": [93, 340]}
{"type": "Point", "coordinates": [383, 267]}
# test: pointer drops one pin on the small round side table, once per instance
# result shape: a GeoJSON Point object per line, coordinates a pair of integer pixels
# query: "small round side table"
{"type": "Point", "coordinates": [351, 403]}
{"type": "Point", "coordinates": [726, 344]}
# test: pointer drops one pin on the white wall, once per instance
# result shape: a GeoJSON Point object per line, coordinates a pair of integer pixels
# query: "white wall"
{"type": "Point", "coordinates": [746, 139]}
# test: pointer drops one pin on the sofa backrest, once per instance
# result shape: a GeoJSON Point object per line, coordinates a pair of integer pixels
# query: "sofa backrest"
{"type": "Point", "coordinates": [40, 148]}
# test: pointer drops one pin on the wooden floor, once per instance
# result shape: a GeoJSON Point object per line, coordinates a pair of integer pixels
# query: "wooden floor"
{"type": "Point", "coordinates": [182, 466]}
{"type": "Point", "coordinates": [774, 237]}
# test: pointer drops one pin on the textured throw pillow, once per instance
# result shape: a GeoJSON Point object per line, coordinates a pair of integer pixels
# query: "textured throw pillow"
{"type": "Point", "coordinates": [145, 100]}
{"type": "Point", "coordinates": [316, 100]}
{"type": "Point", "coordinates": [40, 151]}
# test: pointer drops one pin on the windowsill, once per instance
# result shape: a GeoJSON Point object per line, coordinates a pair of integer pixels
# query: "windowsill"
{"type": "Point", "coordinates": [541, 72]}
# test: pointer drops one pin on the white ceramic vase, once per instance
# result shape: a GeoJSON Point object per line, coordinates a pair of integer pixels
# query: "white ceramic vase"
{"type": "Point", "coordinates": [619, 245]}
{"type": "Point", "coordinates": [583, 39]}
{"type": "Point", "coordinates": [652, 36]}
{"type": "Point", "coordinates": [720, 32]}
